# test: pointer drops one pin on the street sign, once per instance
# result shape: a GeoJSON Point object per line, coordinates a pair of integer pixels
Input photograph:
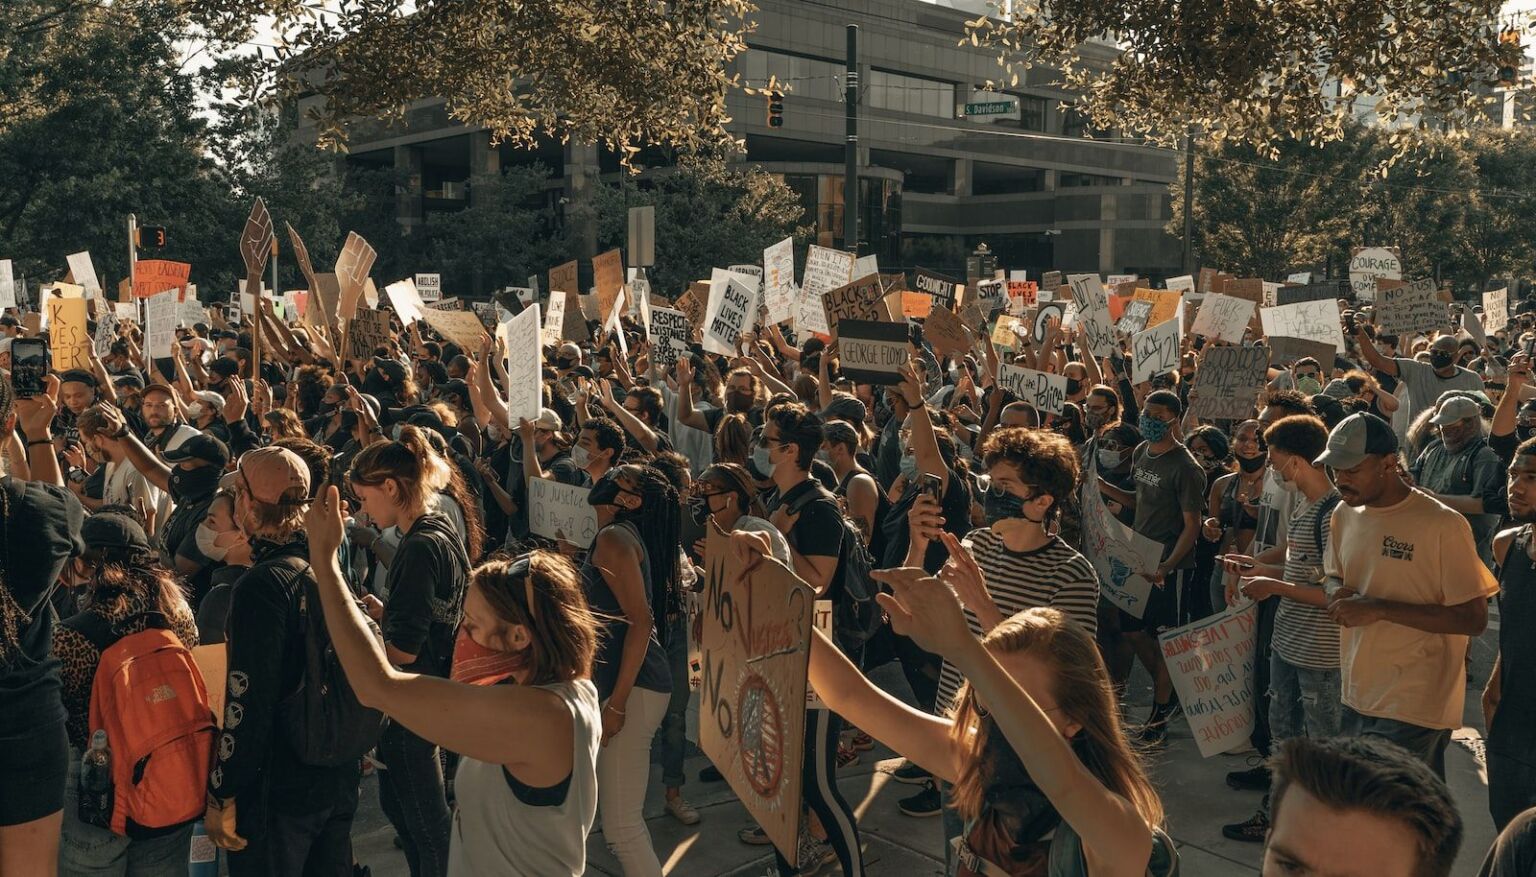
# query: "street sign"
{"type": "Point", "coordinates": [991, 105]}
{"type": "Point", "coordinates": [993, 108]}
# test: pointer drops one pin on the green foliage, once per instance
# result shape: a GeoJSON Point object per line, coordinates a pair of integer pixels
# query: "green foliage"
{"type": "Point", "coordinates": [510, 230]}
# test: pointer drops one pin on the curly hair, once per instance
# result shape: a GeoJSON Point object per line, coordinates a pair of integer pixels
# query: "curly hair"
{"type": "Point", "coordinates": [1044, 459]}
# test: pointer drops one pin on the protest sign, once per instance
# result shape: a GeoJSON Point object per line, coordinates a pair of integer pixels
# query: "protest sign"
{"type": "Point", "coordinates": [1223, 317]}
{"type": "Point", "coordinates": [106, 333]}
{"type": "Point", "coordinates": [520, 338]}
{"type": "Point", "coordinates": [564, 278]}
{"type": "Point", "coordinates": [1045, 392]}
{"type": "Point", "coordinates": [125, 310]}
{"type": "Point", "coordinates": [1117, 279]}
{"type": "Point", "coordinates": [1284, 351]}
{"type": "Point", "coordinates": [1300, 277]}
{"type": "Point", "coordinates": [944, 290]}
{"type": "Point", "coordinates": [917, 305]}
{"type": "Point", "coordinates": [1121, 556]}
{"type": "Point", "coordinates": [821, 619]}
{"type": "Point", "coordinates": [1005, 333]}
{"type": "Point", "coordinates": [367, 331]}
{"type": "Point", "coordinates": [946, 333]}
{"type": "Point", "coordinates": [1050, 280]}
{"type": "Point", "coordinates": [1313, 320]}
{"type": "Point", "coordinates": [1413, 308]}
{"type": "Point", "coordinates": [1164, 304]}
{"type": "Point", "coordinates": [157, 275]}
{"type": "Point", "coordinates": [1473, 326]}
{"type": "Point", "coordinates": [694, 302]}
{"type": "Point", "coordinates": [859, 300]}
{"type": "Point", "coordinates": [560, 511]}
{"type": "Point", "coordinates": [825, 270]}
{"type": "Point", "coordinates": [872, 352]}
{"type": "Point", "coordinates": [1228, 381]}
{"type": "Point", "coordinates": [7, 285]}
{"type": "Point", "coordinates": [256, 238]}
{"type": "Point", "coordinates": [1134, 318]}
{"type": "Point", "coordinates": [84, 273]}
{"type": "Point", "coordinates": [1271, 296]}
{"type": "Point", "coordinates": [405, 298]}
{"type": "Point", "coordinates": [301, 255]}
{"type": "Point", "coordinates": [670, 331]}
{"type": "Point", "coordinates": [779, 281]}
{"type": "Point", "coordinates": [429, 287]}
{"type": "Point", "coordinates": [1246, 288]}
{"type": "Point", "coordinates": [1181, 284]}
{"type": "Point", "coordinates": [160, 324]}
{"type": "Point", "coordinates": [1211, 664]}
{"type": "Point", "coordinates": [607, 277]}
{"type": "Point", "coordinates": [1206, 281]}
{"type": "Point", "coordinates": [1496, 309]}
{"type": "Point", "coordinates": [554, 321]}
{"type": "Point", "coordinates": [1369, 264]}
{"type": "Point", "coordinates": [732, 314]}
{"type": "Point", "coordinates": [461, 327]}
{"type": "Point", "coordinates": [1044, 314]}
{"type": "Point", "coordinates": [1329, 290]}
{"type": "Point", "coordinates": [992, 295]}
{"type": "Point", "coordinates": [755, 644]}
{"type": "Point", "coordinates": [1022, 294]}
{"type": "Point", "coordinates": [191, 312]}
{"type": "Point", "coordinates": [1155, 351]}
{"type": "Point", "coordinates": [1094, 324]}
{"type": "Point", "coordinates": [352, 268]}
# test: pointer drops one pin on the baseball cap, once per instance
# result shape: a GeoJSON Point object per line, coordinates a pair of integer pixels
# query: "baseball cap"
{"type": "Point", "coordinates": [1456, 408]}
{"type": "Point", "coordinates": [128, 380]}
{"type": "Point", "coordinates": [1356, 437]}
{"type": "Point", "coordinates": [115, 531]}
{"type": "Point", "coordinates": [549, 420]}
{"type": "Point", "coordinates": [199, 447]}
{"type": "Point", "coordinates": [271, 472]}
{"type": "Point", "coordinates": [157, 387]}
{"type": "Point", "coordinates": [844, 407]}
{"type": "Point", "coordinates": [455, 388]}
{"type": "Point", "coordinates": [211, 398]}
{"type": "Point", "coordinates": [5, 343]}
{"type": "Point", "coordinates": [392, 371]}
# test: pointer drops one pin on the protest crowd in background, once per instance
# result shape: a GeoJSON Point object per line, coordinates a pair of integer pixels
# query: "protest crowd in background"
{"type": "Point", "coordinates": [253, 551]}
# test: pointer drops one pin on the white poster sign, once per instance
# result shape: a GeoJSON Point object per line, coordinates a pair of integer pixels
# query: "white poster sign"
{"type": "Point", "coordinates": [779, 281]}
{"type": "Point", "coordinates": [1312, 320]}
{"type": "Point", "coordinates": [406, 300]}
{"type": "Point", "coordinates": [520, 338]}
{"type": "Point", "coordinates": [560, 511]}
{"type": "Point", "coordinates": [160, 323]}
{"type": "Point", "coordinates": [1223, 317]}
{"type": "Point", "coordinates": [1121, 556]}
{"type": "Point", "coordinates": [1155, 351]}
{"type": "Point", "coordinates": [554, 321]}
{"type": "Point", "coordinates": [7, 285]}
{"type": "Point", "coordinates": [731, 313]}
{"type": "Point", "coordinates": [1211, 664]}
{"type": "Point", "coordinates": [429, 286]}
{"type": "Point", "coordinates": [825, 270]}
{"type": "Point", "coordinates": [1093, 319]}
{"type": "Point", "coordinates": [1368, 266]}
{"type": "Point", "coordinates": [84, 272]}
{"type": "Point", "coordinates": [1182, 283]}
{"type": "Point", "coordinates": [1042, 390]}
{"type": "Point", "coordinates": [1496, 309]}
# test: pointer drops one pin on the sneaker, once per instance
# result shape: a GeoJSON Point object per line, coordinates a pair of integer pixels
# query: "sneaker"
{"type": "Point", "coordinates": [860, 741]}
{"type": "Point", "coordinates": [814, 855]}
{"type": "Point", "coordinates": [1155, 731]}
{"type": "Point", "coordinates": [846, 756]}
{"type": "Point", "coordinates": [753, 835]}
{"type": "Point", "coordinates": [910, 774]}
{"type": "Point", "coordinates": [1253, 831]}
{"type": "Point", "coordinates": [1254, 779]}
{"type": "Point", "coordinates": [682, 811]}
{"type": "Point", "coordinates": [711, 774]}
{"type": "Point", "coordinates": [923, 804]}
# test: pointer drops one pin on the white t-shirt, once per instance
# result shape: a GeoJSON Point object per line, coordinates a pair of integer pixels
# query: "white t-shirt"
{"type": "Point", "coordinates": [126, 485]}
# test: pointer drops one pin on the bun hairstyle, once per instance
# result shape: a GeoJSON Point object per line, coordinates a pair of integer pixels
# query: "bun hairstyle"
{"type": "Point", "coordinates": [410, 461]}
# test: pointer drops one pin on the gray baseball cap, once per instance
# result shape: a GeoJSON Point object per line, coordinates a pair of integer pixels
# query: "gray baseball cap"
{"type": "Point", "coordinates": [1356, 437]}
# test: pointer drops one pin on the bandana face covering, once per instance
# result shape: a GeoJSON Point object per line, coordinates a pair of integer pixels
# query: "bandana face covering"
{"type": "Point", "coordinates": [474, 664]}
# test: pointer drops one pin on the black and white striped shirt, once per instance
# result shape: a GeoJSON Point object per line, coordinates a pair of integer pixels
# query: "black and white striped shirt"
{"type": "Point", "coordinates": [1304, 635]}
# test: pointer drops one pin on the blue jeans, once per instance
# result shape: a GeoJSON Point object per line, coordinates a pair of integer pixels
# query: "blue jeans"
{"type": "Point", "coordinates": [91, 851]}
{"type": "Point", "coordinates": [674, 725]}
{"type": "Point", "coordinates": [1426, 744]}
{"type": "Point", "coordinates": [413, 797]}
{"type": "Point", "coordinates": [1303, 702]}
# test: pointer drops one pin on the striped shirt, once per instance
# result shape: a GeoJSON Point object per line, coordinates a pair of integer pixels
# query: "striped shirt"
{"type": "Point", "coordinates": [1304, 635]}
{"type": "Point", "coordinates": [1054, 575]}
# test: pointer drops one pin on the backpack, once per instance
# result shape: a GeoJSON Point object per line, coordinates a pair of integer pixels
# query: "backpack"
{"type": "Point", "coordinates": [149, 696]}
{"type": "Point", "coordinates": [857, 616]}
{"type": "Point", "coordinates": [1323, 511]}
{"type": "Point", "coordinates": [322, 719]}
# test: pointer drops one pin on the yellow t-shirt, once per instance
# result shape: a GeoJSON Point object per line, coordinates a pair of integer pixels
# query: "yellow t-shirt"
{"type": "Point", "coordinates": [1418, 551]}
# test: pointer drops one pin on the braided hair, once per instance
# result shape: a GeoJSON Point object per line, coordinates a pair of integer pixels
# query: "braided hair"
{"type": "Point", "coordinates": [659, 523]}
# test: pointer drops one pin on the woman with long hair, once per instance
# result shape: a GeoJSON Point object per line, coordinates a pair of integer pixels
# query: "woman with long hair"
{"type": "Point", "coordinates": [733, 440]}
{"type": "Point", "coordinates": [1232, 504]}
{"type": "Point", "coordinates": [520, 708]}
{"type": "Point", "coordinates": [630, 578]}
{"type": "Point", "coordinates": [1042, 773]}
{"type": "Point", "coordinates": [394, 482]}
{"type": "Point", "coordinates": [126, 589]}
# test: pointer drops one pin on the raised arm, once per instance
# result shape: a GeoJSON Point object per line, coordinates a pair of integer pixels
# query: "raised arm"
{"type": "Point", "coordinates": [1372, 356]}
{"type": "Point", "coordinates": [686, 415]}
{"type": "Point", "coordinates": [925, 447]}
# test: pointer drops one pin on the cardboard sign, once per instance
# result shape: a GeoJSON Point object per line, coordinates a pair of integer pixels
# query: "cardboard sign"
{"type": "Point", "coordinates": [779, 281]}
{"type": "Point", "coordinates": [1367, 265]}
{"type": "Point", "coordinates": [84, 273]}
{"type": "Point", "coordinates": [607, 277]}
{"type": "Point", "coordinates": [670, 331]}
{"type": "Point", "coordinates": [1005, 333]}
{"type": "Point", "coordinates": [1164, 304]}
{"type": "Point", "coordinates": [1328, 290]}
{"type": "Point", "coordinates": [160, 324]}
{"type": "Point", "coordinates": [1134, 318]}
{"type": "Point", "coordinates": [406, 299]}
{"type": "Point", "coordinates": [859, 300]}
{"type": "Point", "coordinates": [1211, 663]}
{"type": "Point", "coordinates": [1496, 309]}
{"type": "Point", "coordinates": [554, 321]}
{"type": "Point", "coordinates": [1313, 320]}
{"type": "Point", "coordinates": [564, 278]}
{"type": "Point", "coordinates": [157, 275]}
{"type": "Point", "coordinates": [301, 255]}
{"type": "Point", "coordinates": [1284, 351]}
{"type": "Point", "coordinates": [256, 238]}
{"type": "Point", "coordinates": [943, 290]}
{"type": "Point", "coordinates": [106, 333]}
{"type": "Point", "coordinates": [1155, 351]}
{"type": "Point", "coordinates": [352, 268]}
{"type": "Point", "coordinates": [917, 305]}
{"type": "Point", "coordinates": [1413, 308]}
{"type": "Point", "coordinates": [1050, 280]}
{"type": "Point", "coordinates": [1042, 390]}
{"type": "Point", "coordinates": [520, 339]}
{"type": "Point", "coordinates": [1246, 288]}
{"type": "Point", "coordinates": [755, 646]}
{"type": "Point", "coordinates": [560, 511]}
{"type": "Point", "coordinates": [1121, 556]}
{"type": "Point", "coordinates": [872, 352]}
{"type": "Point", "coordinates": [1207, 280]}
{"type": "Point", "coordinates": [461, 327]}
{"type": "Point", "coordinates": [366, 332]}
{"type": "Point", "coordinates": [1228, 382]}
{"type": "Point", "coordinates": [946, 333]}
{"type": "Point", "coordinates": [825, 270]}
{"type": "Point", "coordinates": [1223, 317]}
{"type": "Point", "coordinates": [732, 313]}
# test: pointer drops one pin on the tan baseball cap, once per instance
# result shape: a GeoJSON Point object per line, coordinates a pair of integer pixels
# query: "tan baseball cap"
{"type": "Point", "coordinates": [269, 473]}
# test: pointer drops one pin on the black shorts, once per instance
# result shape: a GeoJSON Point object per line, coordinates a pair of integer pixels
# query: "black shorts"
{"type": "Point", "coordinates": [1162, 610]}
{"type": "Point", "coordinates": [34, 766]}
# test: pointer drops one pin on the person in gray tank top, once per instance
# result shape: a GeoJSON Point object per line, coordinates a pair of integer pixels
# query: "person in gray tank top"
{"type": "Point", "coordinates": [519, 706]}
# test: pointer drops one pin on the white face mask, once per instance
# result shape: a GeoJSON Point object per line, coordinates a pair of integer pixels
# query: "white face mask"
{"type": "Point", "coordinates": [207, 543]}
{"type": "Point", "coordinates": [580, 457]}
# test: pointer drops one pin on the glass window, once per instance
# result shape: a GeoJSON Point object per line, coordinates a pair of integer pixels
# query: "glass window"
{"type": "Point", "coordinates": [911, 94]}
{"type": "Point", "coordinates": [1032, 112]}
{"type": "Point", "coordinates": [804, 77]}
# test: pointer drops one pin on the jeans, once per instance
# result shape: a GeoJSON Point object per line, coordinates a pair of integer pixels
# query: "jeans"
{"type": "Point", "coordinates": [91, 851]}
{"type": "Point", "coordinates": [818, 770]}
{"type": "Point", "coordinates": [1303, 702]}
{"type": "Point", "coordinates": [1511, 786]}
{"type": "Point", "coordinates": [623, 772]}
{"type": "Point", "coordinates": [1262, 738]}
{"type": "Point", "coordinates": [674, 726]}
{"type": "Point", "coordinates": [1426, 744]}
{"type": "Point", "coordinates": [310, 844]}
{"type": "Point", "coordinates": [412, 795]}
{"type": "Point", "coordinates": [954, 826]}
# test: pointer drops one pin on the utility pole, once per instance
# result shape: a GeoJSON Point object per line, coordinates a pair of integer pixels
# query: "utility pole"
{"type": "Point", "coordinates": [1189, 200]}
{"type": "Point", "coordinates": [133, 270]}
{"type": "Point", "coordinates": [851, 148]}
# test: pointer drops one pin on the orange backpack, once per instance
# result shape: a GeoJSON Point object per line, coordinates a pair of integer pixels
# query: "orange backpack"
{"type": "Point", "coordinates": [148, 695]}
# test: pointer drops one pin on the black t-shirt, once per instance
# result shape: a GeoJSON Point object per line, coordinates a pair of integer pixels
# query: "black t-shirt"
{"type": "Point", "coordinates": [42, 531]}
{"type": "Point", "coordinates": [426, 594]}
{"type": "Point", "coordinates": [956, 509]}
{"type": "Point", "coordinates": [817, 531]}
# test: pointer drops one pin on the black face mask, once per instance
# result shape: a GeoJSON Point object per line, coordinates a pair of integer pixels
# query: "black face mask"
{"type": "Point", "coordinates": [1440, 359]}
{"type": "Point", "coordinates": [698, 509]}
{"type": "Point", "coordinates": [1073, 386]}
{"type": "Point", "coordinates": [191, 485]}
{"type": "Point", "coordinates": [605, 491]}
{"type": "Point", "coordinates": [1525, 432]}
{"type": "Point", "coordinates": [564, 363]}
{"type": "Point", "coordinates": [1252, 465]}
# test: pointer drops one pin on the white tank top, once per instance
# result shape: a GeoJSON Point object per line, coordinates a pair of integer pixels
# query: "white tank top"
{"type": "Point", "coordinates": [496, 833]}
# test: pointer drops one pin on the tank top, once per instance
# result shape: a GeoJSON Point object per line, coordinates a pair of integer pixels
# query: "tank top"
{"type": "Point", "coordinates": [502, 828]}
{"type": "Point", "coordinates": [1514, 723]}
{"type": "Point", "coordinates": [654, 674]}
{"type": "Point", "coordinates": [1233, 514]}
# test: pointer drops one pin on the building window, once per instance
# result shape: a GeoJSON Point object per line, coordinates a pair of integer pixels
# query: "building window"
{"type": "Point", "coordinates": [911, 94]}
{"type": "Point", "coordinates": [1068, 181]}
{"type": "Point", "coordinates": [804, 77]}
{"type": "Point", "coordinates": [1032, 112]}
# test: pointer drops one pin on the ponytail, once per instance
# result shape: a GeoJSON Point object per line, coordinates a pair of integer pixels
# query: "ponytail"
{"type": "Point", "coordinates": [410, 461]}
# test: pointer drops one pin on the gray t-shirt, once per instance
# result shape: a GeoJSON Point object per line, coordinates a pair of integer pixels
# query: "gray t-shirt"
{"type": "Point", "coordinates": [1475, 470]}
{"type": "Point", "coordinates": [1425, 387]}
{"type": "Point", "coordinates": [1168, 485]}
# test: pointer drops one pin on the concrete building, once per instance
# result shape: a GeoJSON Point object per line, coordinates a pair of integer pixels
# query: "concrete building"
{"type": "Point", "coordinates": [1015, 170]}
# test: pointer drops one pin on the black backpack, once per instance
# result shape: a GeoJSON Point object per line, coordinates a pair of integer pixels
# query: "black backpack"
{"type": "Point", "coordinates": [322, 719]}
{"type": "Point", "coordinates": [857, 616]}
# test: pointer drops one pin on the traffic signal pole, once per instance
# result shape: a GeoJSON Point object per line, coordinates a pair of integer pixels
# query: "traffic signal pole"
{"type": "Point", "coordinates": [851, 148]}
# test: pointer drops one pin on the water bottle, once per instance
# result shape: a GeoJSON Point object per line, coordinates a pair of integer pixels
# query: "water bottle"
{"type": "Point", "coordinates": [96, 782]}
{"type": "Point", "coordinates": [203, 859]}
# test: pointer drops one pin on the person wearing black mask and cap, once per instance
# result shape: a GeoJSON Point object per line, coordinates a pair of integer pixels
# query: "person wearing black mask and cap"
{"type": "Point", "coordinates": [1426, 381]}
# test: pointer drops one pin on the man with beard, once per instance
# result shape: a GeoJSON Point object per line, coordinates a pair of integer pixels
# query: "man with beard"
{"type": "Point", "coordinates": [1509, 701]}
{"type": "Point", "coordinates": [1426, 381]}
{"type": "Point", "coordinates": [1460, 470]}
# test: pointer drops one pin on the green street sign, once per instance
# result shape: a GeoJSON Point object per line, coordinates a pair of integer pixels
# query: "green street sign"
{"type": "Point", "coordinates": [993, 108]}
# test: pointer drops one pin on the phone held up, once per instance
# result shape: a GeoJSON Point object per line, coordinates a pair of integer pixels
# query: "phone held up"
{"type": "Point", "coordinates": [29, 366]}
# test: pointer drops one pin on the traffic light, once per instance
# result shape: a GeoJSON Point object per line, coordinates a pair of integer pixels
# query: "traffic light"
{"type": "Point", "coordinates": [775, 109]}
{"type": "Point", "coordinates": [1510, 55]}
{"type": "Point", "coordinates": [150, 237]}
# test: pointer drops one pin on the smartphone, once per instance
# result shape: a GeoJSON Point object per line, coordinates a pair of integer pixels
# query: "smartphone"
{"type": "Point", "coordinates": [930, 484]}
{"type": "Point", "coordinates": [1530, 346]}
{"type": "Point", "coordinates": [29, 366]}
{"type": "Point", "coordinates": [1349, 322]}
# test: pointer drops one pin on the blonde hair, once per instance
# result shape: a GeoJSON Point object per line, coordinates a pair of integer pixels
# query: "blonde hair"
{"type": "Point", "coordinates": [1080, 688]}
{"type": "Point", "coordinates": [542, 592]}
{"type": "Point", "coordinates": [410, 461]}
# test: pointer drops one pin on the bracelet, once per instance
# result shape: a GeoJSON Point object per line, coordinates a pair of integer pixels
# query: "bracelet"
{"type": "Point", "coordinates": [41, 441]}
{"type": "Point", "coordinates": [616, 710]}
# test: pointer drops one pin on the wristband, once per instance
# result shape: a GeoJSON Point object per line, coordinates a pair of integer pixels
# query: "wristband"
{"type": "Point", "coordinates": [40, 441]}
{"type": "Point", "coordinates": [616, 710]}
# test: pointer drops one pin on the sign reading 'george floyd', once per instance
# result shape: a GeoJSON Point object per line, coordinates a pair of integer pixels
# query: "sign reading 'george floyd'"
{"type": "Point", "coordinates": [872, 352]}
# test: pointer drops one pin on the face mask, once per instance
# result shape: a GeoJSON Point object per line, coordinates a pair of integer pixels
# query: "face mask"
{"type": "Point", "coordinates": [1000, 504]}
{"type": "Point", "coordinates": [698, 509]}
{"type": "Point", "coordinates": [1525, 432]}
{"type": "Point", "coordinates": [1440, 359]}
{"type": "Point", "coordinates": [1110, 459]}
{"type": "Point", "coordinates": [1152, 429]}
{"type": "Point", "coordinates": [1095, 421]}
{"type": "Point", "coordinates": [1073, 386]}
{"type": "Point", "coordinates": [580, 457]}
{"type": "Point", "coordinates": [474, 664]}
{"type": "Point", "coordinates": [761, 461]}
{"type": "Point", "coordinates": [604, 492]}
{"type": "Point", "coordinates": [1308, 386]}
{"type": "Point", "coordinates": [193, 484]}
{"type": "Point", "coordinates": [824, 457]}
{"type": "Point", "coordinates": [207, 543]}
{"type": "Point", "coordinates": [739, 403]}
{"type": "Point", "coordinates": [1253, 465]}
{"type": "Point", "coordinates": [564, 363]}
{"type": "Point", "coordinates": [909, 467]}
{"type": "Point", "coordinates": [1287, 485]}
